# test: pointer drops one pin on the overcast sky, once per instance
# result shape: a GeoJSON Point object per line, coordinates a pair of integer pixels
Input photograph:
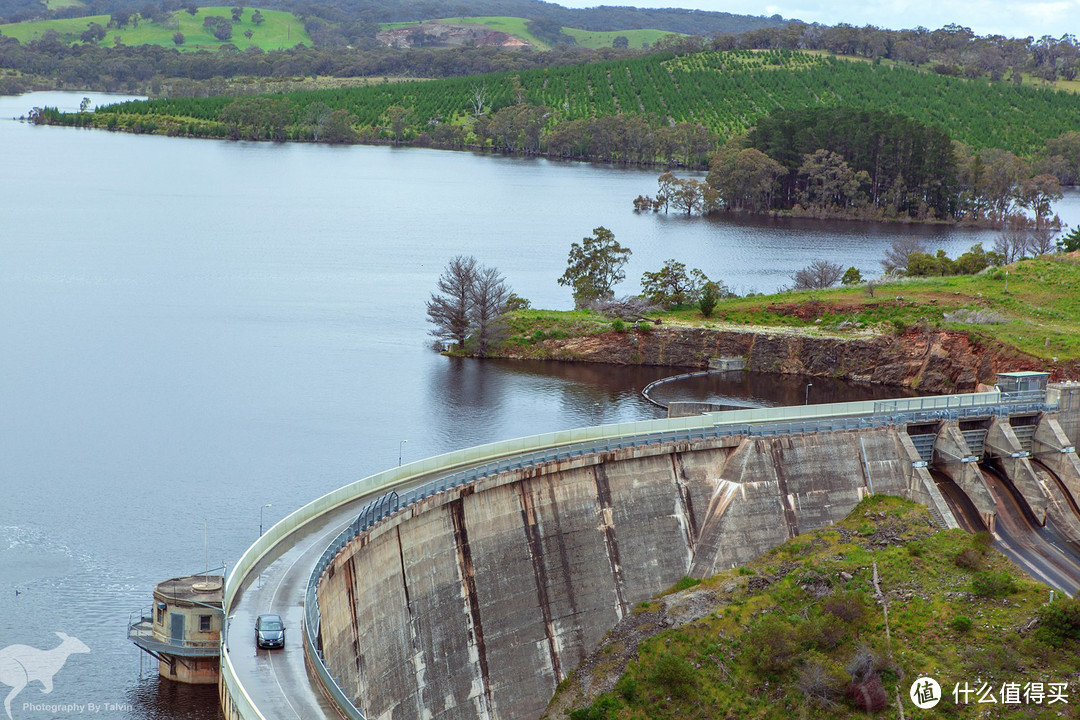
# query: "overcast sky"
{"type": "Point", "coordinates": [1014, 18]}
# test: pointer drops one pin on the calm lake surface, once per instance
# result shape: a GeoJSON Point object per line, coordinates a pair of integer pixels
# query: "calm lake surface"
{"type": "Point", "coordinates": [192, 329]}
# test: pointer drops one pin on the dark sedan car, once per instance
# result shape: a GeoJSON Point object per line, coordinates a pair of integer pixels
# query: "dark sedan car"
{"type": "Point", "coordinates": [269, 631]}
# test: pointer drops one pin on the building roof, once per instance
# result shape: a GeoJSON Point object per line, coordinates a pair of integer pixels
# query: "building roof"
{"type": "Point", "coordinates": [193, 589]}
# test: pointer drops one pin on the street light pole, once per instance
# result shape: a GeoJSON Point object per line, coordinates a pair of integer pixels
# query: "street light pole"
{"type": "Point", "coordinates": [261, 516]}
{"type": "Point", "coordinates": [808, 386]}
{"type": "Point", "coordinates": [399, 445]}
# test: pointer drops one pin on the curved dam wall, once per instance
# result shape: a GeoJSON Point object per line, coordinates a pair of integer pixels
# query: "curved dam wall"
{"type": "Point", "coordinates": [475, 603]}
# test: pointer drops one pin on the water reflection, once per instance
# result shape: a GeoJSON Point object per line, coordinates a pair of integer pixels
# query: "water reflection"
{"type": "Point", "coordinates": [155, 698]}
{"type": "Point", "coordinates": [742, 388]}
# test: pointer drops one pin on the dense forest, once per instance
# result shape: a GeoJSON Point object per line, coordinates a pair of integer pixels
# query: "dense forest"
{"type": "Point", "coordinates": [873, 165]}
{"type": "Point", "coordinates": [842, 157]}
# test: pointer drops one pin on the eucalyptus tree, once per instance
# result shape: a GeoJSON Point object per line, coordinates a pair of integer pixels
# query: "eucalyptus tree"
{"type": "Point", "coordinates": [595, 266]}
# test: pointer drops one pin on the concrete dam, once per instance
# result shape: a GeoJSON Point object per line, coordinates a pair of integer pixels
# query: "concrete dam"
{"type": "Point", "coordinates": [475, 595]}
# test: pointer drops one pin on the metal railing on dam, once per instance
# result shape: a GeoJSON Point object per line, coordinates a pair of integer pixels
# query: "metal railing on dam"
{"type": "Point", "coordinates": [400, 486]}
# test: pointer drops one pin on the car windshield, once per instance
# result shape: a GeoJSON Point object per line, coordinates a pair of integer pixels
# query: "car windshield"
{"type": "Point", "coordinates": [270, 625]}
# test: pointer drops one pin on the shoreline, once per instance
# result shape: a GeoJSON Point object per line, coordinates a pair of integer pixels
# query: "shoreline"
{"type": "Point", "coordinates": [932, 360]}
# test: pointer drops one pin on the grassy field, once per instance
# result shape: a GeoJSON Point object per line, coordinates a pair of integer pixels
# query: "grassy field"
{"type": "Point", "coordinates": [278, 30]}
{"type": "Point", "coordinates": [785, 635]}
{"type": "Point", "coordinates": [597, 39]}
{"type": "Point", "coordinates": [1039, 312]}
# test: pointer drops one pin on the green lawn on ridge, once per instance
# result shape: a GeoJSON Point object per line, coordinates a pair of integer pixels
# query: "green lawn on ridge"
{"type": "Point", "coordinates": [278, 30]}
{"type": "Point", "coordinates": [597, 39]}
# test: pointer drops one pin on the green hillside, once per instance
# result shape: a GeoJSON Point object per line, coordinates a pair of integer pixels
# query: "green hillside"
{"type": "Point", "coordinates": [836, 623]}
{"type": "Point", "coordinates": [278, 30]}
{"type": "Point", "coordinates": [726, 92]}
{"type": "Point", "coordinates": [602, 39]}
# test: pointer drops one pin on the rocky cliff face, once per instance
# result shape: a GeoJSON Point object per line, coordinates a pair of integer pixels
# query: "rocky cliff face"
{"type": "Point", "coordinates": [439, 34]}
{"type": "Point", "coordinates": [932, 360]}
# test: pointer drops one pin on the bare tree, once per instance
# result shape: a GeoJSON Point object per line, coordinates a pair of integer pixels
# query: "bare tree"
{"type": "Point", "coordinates": [818, 275]}
{"type": "Point", "coordinates": [470, 303]}
{"type": "Point", "coordinates": [820, 683]}
{"type": "Point", "coordinates": [1012, 243]}
{"type": "Point", "coordinates": [478, 99]}
{"type": "Point", "coordinates": [897, 255]}
{"type": "Point", "coordinates": [1041, 240]}
{"type": "Point", "coordinates": [488, 296]}
{"type": "Point", "coordinates": [448, 309]}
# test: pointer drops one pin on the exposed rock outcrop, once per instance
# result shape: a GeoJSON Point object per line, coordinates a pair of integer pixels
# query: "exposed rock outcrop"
{"type": "Point", "coordinates": [439, 34]}
{"type": "Point", "coordinates": [933, 360]}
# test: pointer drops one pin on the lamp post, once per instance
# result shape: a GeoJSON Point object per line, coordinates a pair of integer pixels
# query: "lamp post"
{"type": "Point", "coordinates": [399, 446]}
{"type": "Point", "coordinates": [261, 516]}
{"type": "Point", "coordinates": [807, 400]}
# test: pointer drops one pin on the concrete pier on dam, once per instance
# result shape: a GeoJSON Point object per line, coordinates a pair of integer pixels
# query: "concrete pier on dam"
{"type": "Point", "coordinates": [476, 593]}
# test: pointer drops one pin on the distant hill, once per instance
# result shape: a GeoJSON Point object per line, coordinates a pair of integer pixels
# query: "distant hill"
{"type": "Point", "coordinates": [384, 11]}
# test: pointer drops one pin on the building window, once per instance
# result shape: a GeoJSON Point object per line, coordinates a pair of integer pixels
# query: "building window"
{"type": "Point", "coordinates": [204, 623]}
{"type": "Point", "coordinates": [160, 614]}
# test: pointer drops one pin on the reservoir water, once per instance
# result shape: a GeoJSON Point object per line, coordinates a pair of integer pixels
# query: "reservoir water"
{"type": "Point", "coordinates": [190, 330]}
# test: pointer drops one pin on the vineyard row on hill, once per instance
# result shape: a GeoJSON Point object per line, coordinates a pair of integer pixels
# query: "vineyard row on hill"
{"type": "Point", "coordinates": [726, 92]}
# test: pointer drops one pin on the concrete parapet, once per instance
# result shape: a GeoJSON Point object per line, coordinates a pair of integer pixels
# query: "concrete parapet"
{"type": "Point", "coordinates": [683, 408]}
{"type": "Point", "coordinates": [953, 457]}
{"type": "Point", "coordinates": [1001, 443]}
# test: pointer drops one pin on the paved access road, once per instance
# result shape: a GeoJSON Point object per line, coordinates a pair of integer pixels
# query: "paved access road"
{"type": "Point", "coordinates": [277, 680]}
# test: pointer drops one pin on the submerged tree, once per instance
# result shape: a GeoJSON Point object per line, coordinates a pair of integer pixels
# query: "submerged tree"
{"type": "Point", "coordinates": [595, 266]}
